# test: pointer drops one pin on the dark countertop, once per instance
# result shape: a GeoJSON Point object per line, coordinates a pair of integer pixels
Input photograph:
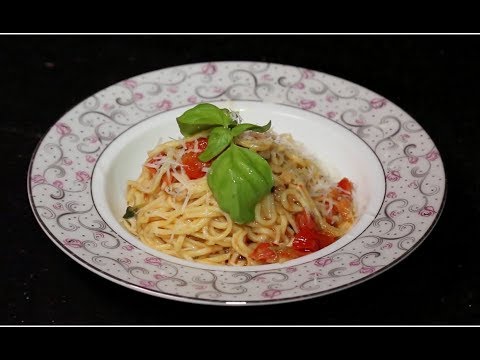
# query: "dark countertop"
{"type": "Point", "coordinates": [434, 79]}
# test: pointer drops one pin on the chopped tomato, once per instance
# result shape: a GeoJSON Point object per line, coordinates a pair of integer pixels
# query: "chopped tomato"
{"type": "Point", "coordinates": [324, 240]}
{"type": "Point", "coordinates": [152, 161]}
{"type": "Point", "coordinates": [342, 204]}
{"type": "Point", "coordinates": [306, 240]}
{"type": "Point", "coordinates": [271, 253]}
{"type": "Point", "coordinates": [305, 220]}
{"type": "Point", "coordinates": [309, 238]}
{"type": "Point", "coordinates": [345, 184]}
{"type": "Point", "coordinates": [333, 212]}
{"type": "Point", "coordinates": [287, 253]}
{"type": "Point", "coordinates": [153, 171]}
{"type": "Point", "coordinates": [202, 144]}
{"type": "Point", "coordinates": [343, 207]}
{"type": "Point", "coordinates": [265, 253]}
{"type": "Point", "coordinates": [168, 178]}
{"type": "Point", "coordinates": [193, 167]}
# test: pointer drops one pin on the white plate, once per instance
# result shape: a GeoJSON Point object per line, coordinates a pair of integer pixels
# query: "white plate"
{"type": "Point", "coordinates": [78, 174]}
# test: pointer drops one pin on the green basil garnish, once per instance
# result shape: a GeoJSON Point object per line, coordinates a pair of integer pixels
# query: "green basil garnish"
{"type": "Point", "coordinates": [218, 140]}
{"type": "Point", "coordinates": [240, 128]}
{"type": "Point", "coordinates": [203, 117]}
{"type": "Point", "coordinates": [239, 178]}
{"type": "Point", "coordinates": [130, 212]}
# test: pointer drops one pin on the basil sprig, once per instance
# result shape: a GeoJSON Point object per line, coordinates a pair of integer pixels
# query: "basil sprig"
{"type": "Point", "coordinates": [218, 140]}
{"type": "Point", "coordinates": [240, 128]}
{"type": "Point", "coordinates": [130, 212]}
{"type": "Point", "coordinates": [238, 178]}
{"type": "Point", "coordinates": [203, 117]}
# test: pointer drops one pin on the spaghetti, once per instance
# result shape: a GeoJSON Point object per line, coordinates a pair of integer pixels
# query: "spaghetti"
{"type": "Point", "coordinates": [172, 209]}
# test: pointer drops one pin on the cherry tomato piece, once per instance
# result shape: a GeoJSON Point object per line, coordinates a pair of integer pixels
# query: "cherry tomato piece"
{"type": "Point", "coordinates": [193, 167]}
{"type": "Point", "coordinates": [202, 144]}
{"type": "Point", "coordinates": [306, 240]}
{"type": "Point", "coordinates": [305, 221]}
{"type": "Point", "coordinates": [346, 185]}
{"type": "Point", "coordinates": [265, 253]}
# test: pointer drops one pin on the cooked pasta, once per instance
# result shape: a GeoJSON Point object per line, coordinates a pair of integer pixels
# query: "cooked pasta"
{"type": "Point", "coordinates": [176, 213]}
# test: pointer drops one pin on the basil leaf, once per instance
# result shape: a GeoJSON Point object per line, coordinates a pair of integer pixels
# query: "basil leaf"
{"type": "Point", "coordinates": [239, 178]}
{"type": "Point", "coordinates": [237, 130]}
{"type": "Point", "coordinates": [203, 117]}
{"type": "Point", "coordinates": [130, 212]}
{"type": "Point", "coordinates": [218, 140]}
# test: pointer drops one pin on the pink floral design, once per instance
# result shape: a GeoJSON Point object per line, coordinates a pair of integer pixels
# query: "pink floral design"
{"type": "Point", "coordinates": [67, 161]}
{"type": "Point", "coordinates": [308, 74]}
{"type": "Point", "coordinates": [299, 85]}
{"type": "Point", "coordinates": [367, 270]}
{"type": "Point", "coordinates": [91, 139]}
{"type": "Point", "coordinates": [200, 287]}
{"type": "Point", "coordinates": [392, 195]}
{"type": "Point", "coordinates": [267, 77]}
{"type": "Point", "coordinates": [427, 211]}
{"type": "Point", "coordinates": [128, 247]}
{"type": "Point", "coordinates": [271, 293]}
{"type": "Point", "coordinates": [218, 90]}
{"type": "Point", "coordinates": [90, 158]}
{"type": "Point", "coordinates": [108, 107]}
{"type": "Point", "coordinates": [160, 276]}
{"type": "Point", "coordinates": [378, 103]}
{"type": "Point", "coordinates": [63, 129]}
{"type": "Point", "coordinates": [192, 99]}
{"type": "Point", "coordinates": [307, 104]}
{"type": "Point", "coordinates": [355, 262]}
{"type": "Point", "coordinates": [130, 83]}
{"type": "Point", "coordinates": [413, 184]}
{"type": "Point", "coordinates": [323, 262]}
{"type": "Point", "coordinates": [58, 184]}
{"type": "Point", "coordinates": [153, 261]}
{"type": "Point", "coordinates": [209, 69]}
{"type": "Point", "coordinates": [260, 279]}
{"type": "Point", "coordinates": [331, 114]}
{"type": "Point", "coordinates": [74, 243]}
{"type": "Point", "coordinates": [432, 155]}
{"type": "Point", "coordinates": [395, 213]}
{"type": "Point", "coordinates": [137, 96]}
{"type": "Point", "coordinates": [404, 137]}
{"type": "Point", "coordinates": [360, 121]}
{"type": "Point", "coordinates": [58, 206]}
{"type": "Point", "coordinates": [393, 175]}
{"type": "Point", "coordinates": [147, 284]}
{"type": "Point", "coordinates": [38, 179]}
{"type": "Point", "coordinates": [172, 89]}
{"type": "Point", "coordinates": [388, 245]}
{"type": "Point", "coordinates": [291, 269]}
{"type": "Point", "coordinates": [164, 105]}
{"type": "Point", "coordinates": [331, 98]}
{"type": "Point", "coordinates": [82, 176]}
{"type": "Point", "coordinates": [412, 159]}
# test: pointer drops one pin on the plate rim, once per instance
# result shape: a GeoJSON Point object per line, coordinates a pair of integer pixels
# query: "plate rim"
{"type": "Point", "coordinates": [184, 298]}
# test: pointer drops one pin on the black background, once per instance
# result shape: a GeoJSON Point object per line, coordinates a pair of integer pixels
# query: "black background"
{"type": "Point", "coordinates": [434, 78]}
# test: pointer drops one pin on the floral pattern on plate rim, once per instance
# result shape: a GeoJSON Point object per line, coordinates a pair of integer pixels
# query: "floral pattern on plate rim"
{"type": "Point", "coordinates": [61, 169]}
